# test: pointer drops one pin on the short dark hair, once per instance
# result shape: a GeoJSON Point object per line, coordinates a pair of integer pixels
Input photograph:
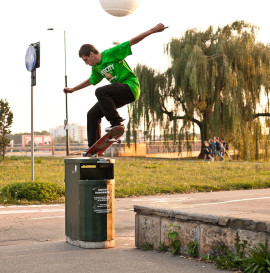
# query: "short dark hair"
{"type": "Point", "coordinates": [86, 49]}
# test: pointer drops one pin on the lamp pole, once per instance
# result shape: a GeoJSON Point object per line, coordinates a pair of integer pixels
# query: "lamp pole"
{"type": "Point", "coordinates": [66, 97]}
{"type": "Point", "coordinates": [66, 122]}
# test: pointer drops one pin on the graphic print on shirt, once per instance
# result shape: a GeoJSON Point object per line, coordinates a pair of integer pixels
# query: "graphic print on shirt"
{"type": "Point", "coordinates": [105, 73]}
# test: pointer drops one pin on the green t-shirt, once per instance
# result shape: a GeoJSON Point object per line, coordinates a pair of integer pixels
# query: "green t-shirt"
{"type": "Point", "coordinates": [114, 68]}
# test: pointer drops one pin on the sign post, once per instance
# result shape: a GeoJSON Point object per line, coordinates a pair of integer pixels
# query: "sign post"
{"type": "Point", "coordinates": [32, 61]}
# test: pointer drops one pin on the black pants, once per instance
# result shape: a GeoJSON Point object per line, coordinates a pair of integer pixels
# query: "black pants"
{"type": "Point", "coordinates": [110, 97]}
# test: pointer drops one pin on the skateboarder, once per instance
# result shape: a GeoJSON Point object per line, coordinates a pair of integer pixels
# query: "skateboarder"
{"type": "Point", "coordinates": [124, 87]}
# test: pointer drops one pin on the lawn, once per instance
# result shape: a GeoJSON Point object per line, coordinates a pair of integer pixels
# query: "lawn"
{"type": "Point", "coordinates": [155, 176]}
{"type": "Point", "coordinates": [140, 176]}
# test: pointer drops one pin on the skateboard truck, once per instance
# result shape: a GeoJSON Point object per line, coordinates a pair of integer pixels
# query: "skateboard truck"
{"type": "Point", "coordinates": [90, 155]}
{"type": "Point", "coordinates": [107, 140]}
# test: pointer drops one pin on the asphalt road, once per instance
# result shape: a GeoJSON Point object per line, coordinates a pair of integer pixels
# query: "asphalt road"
{"type": "Point", "coordinates": [32, 238]}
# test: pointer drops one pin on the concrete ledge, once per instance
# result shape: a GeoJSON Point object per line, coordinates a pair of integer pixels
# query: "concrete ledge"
{"type": "Point", "coordinates": [153, 224]}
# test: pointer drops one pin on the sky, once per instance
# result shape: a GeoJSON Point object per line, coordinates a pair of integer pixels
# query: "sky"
{"type": "Point", "coordinates": [26, 22]}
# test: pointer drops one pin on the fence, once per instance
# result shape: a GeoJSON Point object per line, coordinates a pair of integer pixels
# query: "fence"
{"type": "Point", "coordinates": [56, 148]}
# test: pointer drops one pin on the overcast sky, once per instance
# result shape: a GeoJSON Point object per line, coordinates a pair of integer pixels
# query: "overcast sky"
{"type": "Point", "coordinates": [26, 22]}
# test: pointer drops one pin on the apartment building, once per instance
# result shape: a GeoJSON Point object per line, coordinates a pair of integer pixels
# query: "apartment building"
{"type": "Point", "coordinates": [76, 132]}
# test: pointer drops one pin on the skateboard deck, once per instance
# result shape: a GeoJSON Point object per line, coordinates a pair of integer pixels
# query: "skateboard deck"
{"type": "Point", "coordinates": [105, 142]}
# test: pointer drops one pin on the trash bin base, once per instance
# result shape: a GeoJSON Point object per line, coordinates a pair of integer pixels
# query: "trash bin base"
{"type": "Point", "coordinates": [84, 244]}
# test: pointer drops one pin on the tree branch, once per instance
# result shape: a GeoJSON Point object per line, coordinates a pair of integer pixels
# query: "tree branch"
{"type": "Point", "coordinates": [260, 115]}
{"type": "Point", "coordinates": [192, 119]}
{"type": "Point", "coordinates": [172, 117]}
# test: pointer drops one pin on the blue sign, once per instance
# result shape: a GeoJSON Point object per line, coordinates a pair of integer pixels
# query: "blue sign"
{"type": "Point", "coordinates": [30, 58]}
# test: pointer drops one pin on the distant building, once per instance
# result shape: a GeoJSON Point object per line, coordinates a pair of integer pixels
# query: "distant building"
{"type": "Point", "coordinates": [76, 132]}
{"type": "Point", "coordinates": [57, 131]}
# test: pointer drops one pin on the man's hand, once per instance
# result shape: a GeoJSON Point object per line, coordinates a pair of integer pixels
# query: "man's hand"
{"type": "Point", "coordinates": [158, 28]}
{"type": "Point", "coordinates": [77, 87]}
{"type": "Point", "coordinates": [68, 90]}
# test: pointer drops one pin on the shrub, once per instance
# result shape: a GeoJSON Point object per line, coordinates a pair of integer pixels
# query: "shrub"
{"type": "Point", "coordinates": [193, 249]}
{"type": "Point", "coordinates": [162, 247]}
{"type": "Point", "coordinates": [174, 243]}
{"type": "Point", "coordinates": [227, 259]}
{"type": "Point", "coordinates": [259, 259]}
{"type": "Point", "coordinates": [146, 246]}
{"type": "Point", "coordinates": [33, 191]}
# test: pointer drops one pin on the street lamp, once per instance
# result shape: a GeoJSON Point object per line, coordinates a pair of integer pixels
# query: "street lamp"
{"type": "Point", "coordinates": [66, 120]}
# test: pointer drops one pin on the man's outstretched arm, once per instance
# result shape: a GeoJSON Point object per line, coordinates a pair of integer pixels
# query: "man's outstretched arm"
{"type": "Point", "coordinates": [137, 39]}
{"type": "Point", "coordinates": [78, 87]}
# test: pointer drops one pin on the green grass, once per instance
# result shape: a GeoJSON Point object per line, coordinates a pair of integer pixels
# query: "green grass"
{"type": "Point", "coordinates": [18, 169]}
{"type": "Point", "coordinates": [137, 176]}
{"type": "Point", "coordinates": [153, 176]}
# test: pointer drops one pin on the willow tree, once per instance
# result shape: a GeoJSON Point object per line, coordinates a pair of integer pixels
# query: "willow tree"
{"type": "Point", "coordinates": [215, 81]}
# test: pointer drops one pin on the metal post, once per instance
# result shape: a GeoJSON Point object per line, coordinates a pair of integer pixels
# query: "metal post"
{"type": "Point", "coordinates": [32, 61]}
{"type": "Point", "coordinates": [33, 83]}
{"type": "Point", "coordinates": [67, 136]}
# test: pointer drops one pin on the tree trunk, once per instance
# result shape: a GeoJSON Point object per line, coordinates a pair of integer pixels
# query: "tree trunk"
{"type": "Point", "coordinates": [203, 131]}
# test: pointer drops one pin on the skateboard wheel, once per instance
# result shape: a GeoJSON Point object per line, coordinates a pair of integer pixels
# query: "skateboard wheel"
{"type": "Point", "coordinates": [118, 141]}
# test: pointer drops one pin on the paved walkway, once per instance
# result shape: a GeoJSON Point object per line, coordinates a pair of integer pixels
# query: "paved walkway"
{"type": "Point", "coordinates": [32, 238]}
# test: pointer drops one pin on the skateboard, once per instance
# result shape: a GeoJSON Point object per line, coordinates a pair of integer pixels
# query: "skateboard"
{"type": "Point", "coordinates": [105, 142]}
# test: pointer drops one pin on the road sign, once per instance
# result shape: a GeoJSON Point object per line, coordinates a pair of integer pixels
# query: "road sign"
{"type": "Point", "coordinates": [30, 58]}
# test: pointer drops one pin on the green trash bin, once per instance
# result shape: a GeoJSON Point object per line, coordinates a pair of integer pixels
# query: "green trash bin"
{"type": "Point", "coordinates": [89, 192]}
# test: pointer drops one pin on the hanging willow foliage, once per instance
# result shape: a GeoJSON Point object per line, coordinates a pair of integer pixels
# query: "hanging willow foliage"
{"type": "Point", "coordinates": [215, 82]}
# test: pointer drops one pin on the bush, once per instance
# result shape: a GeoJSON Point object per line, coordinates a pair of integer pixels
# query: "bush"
{"type": "Point", "coordinates": [33, 191]}
{"type": "Point", "coordinates": [193, 249]}
{"type": "Point", "coordinates": [259, 259]}
{"type": "Point", "coordinates": [227, 259]}
{"type": "Point", "coordinates": [146, 246]}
